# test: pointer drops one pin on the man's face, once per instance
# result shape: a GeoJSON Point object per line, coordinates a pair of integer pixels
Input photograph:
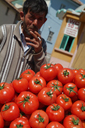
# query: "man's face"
{"type": "Point", "coordinates": [33, 22]}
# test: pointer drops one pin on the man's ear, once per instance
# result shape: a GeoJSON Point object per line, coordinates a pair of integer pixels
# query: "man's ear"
{"type": "Point", "coordinates": [22, 15]}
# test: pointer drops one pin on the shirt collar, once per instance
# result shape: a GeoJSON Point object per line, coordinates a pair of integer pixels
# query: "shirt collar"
{"type": "Point", "coordinates": [25, 47]}
{"type": "Point", "coordinates": [20, 29]}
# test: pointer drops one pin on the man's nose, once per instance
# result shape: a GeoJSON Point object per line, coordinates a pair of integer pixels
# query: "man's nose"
{"type": "Point", "coordinates": [35, 22]}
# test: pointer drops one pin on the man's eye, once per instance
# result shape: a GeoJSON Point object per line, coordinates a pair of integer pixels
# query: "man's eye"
{"type": "Point", "coordinates": [31, 17]}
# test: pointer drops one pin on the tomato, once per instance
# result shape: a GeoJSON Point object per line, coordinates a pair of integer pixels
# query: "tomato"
{"type": "Point", "coordinates": [72, 121]}
{"type": "Point", "coordinates": [65, 75]}
{"type": "Point", "coordinates": [23, 115]}
{"type": "Point", "coordinates": [47, 71]}
{"type": "Point", "coordinates": [15, 97]}
{"type": "Point", "coordinates": [47, 96]}
{"type": "Point", "coordinates": [79, 80]}
{"type": "Point", "coordinates": [1, 121]}
{"type": "Point", "coordinates": [78, 109]}
{"type": "Point", "coordinates": [75, 71]}
{"type": "Point", "coordinates": [20, 85]}
{"type": "Point", "coordinates": [83, 123]}
{"type": "Point", "coordinates": [64, 101]}
{"type": "Point", "coordinates": [81, 70]}
{"type": "Point", "coordinates": [10, 111]}
{"type": "Point", "coordinates": [56, 86]}
{"type": "Point", "coordinates": [55, 112]}
{"type": "Point", "coordinates": [55, 124]}
{"type": "Point", "coordinates": [27, 74]}
{"type": "Point", "coordinates": [39, 119]}
{"type": "Point", "coordinates": [81, 94]}
{"type": "Point", "coordinates": [57, 68]}
{"type": "Point", "coordinates": [70, 89]}
{"type": "Point", "coordinates": [11, 84]}
{"type": "Point", "coordinates": [36, 84]}
{"type": "Point", "coordinates": [20, 123]}
{"type": "Point", "coordinates": [6, 92]}
{"type": "Point", "coordinates": [27, 102]}
{"type": "Point", "coordinates": [37, 74]}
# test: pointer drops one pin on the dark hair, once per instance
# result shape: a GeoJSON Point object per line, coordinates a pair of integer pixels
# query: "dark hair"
{"type": "Point", "coordinates": [35, 6]}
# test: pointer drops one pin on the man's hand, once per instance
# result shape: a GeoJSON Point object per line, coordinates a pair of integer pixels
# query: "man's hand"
{"type": "Point", "coordinates": [36, 42]}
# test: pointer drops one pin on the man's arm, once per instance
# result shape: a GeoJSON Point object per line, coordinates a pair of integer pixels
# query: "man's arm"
{"type": "Point", "coordinates": [40, 58]}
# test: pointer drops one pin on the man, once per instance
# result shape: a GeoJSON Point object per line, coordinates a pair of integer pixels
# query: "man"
{"type": "Point", "coordinates": [21, 46]}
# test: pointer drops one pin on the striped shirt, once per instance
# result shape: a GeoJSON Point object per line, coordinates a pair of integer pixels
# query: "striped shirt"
{"type": "Point", "coordinates": [13, 61]}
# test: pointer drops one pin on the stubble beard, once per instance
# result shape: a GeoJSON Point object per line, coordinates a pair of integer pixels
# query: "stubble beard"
{"type": "Point", "coordinates": [26, 29]}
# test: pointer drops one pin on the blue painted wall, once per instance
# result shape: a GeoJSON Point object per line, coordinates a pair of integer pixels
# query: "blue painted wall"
{"type": "Point", "coordinates": [53, 23]}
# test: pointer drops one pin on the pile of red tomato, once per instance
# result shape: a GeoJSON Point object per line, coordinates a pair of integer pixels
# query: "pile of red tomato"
{"type": "Point", "coordinates": [54, 97]}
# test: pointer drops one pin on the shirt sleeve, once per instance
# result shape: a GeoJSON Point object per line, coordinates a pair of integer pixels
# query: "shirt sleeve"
{"type": "Point", "coordinates": [40, 58]}
{"type": "Point", "coordinates": [1, 34]}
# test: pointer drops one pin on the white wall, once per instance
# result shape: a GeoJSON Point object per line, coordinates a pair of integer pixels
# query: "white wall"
{"type": "Point", "coordinates": [47, 1]}
{"type": "Point", "coordinates": [10, 17]}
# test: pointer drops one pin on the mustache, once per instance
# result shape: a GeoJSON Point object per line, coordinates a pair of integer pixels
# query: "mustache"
{"type": "Point", "coordinates": [33, 27]}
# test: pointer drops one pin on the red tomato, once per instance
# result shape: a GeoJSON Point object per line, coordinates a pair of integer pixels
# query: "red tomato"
{"type": "Point", "coordinates": [83, 123]}
{"type": "Point", "coordinates": [47, 71]}
{"type": "Point", "coordinates": [72, 121]}
{"type": "Point", "coordinates": [56, 86]}
{"type": "Point", "coordinates": [20, 85]}
{"type": "Point", "coordinates": [57, 68]}
{"type": "Point", "coordinates": [55, 112]}
{"type": "Point", "coordinates": [81, 70]}
{"type": "Point", "coordinates": [79, 80]}
{"type": "Point", "coordinates": [15, 97]}
{"type": "Point", "coordinates": [78, 109]}
{"type": "Point", "coordinates": [27, 102]}
{"type": "Point", "coordinates": [75, 71]}
{"type": "Point", "coordinates": [27, 74]}
{"type": "Point", "coordinates": [70, 89]}
{"type": "Point", "coordinates": [23, 115]}
{"type": "Point", "coordinates": [6, 92]}
{"type": "Point", "coordinates": [47, 96]}
{"type": "Point", "coordinates": [36, 83]}
{"type": "Point", "coordinates": [38, 119]}
{"type": "Point", "coordinates": [64, 101]}
{"type": "Point", "coordinates": [81, 94]}
{"type": "Point", "coordinates": [20, 123]}
{"type": "Point", "coordinates": [11, 84]}
{"type": "Point", "coordinates": [1, 121]}
{"type": "Point", "coordinates": [65, 75]}
{"type": "Point", "coordinates": [10, 111]}
{"type": "Point", "coordinates": [37, 74]}
{"type": "Point", "coordinates": [55, 124]}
